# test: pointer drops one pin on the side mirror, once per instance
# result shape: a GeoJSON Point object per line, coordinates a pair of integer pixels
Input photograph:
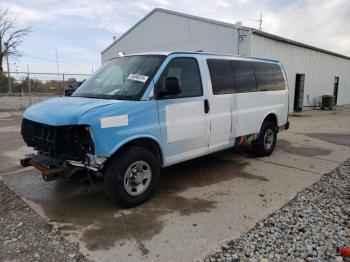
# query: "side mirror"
{"type": "Point", "coordinates": [171, 87]}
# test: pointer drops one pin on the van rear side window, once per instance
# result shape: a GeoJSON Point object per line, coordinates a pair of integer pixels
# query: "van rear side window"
{"type": "Point", "coordinates": [244, 76]}
{"type": "Point", "coordinates": [269, 77]}
{"type": "Point", "coordinates": [235, 76]}
{"type": "Point", "coordinates": [230, 76]}
{"type": "Point", "coordinates": [221, 75]}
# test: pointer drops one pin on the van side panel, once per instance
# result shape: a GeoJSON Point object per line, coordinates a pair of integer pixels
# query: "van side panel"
{"type": "Point", "coordinates": [247, 109]}
{"type": "Point", "coordinates": [250, 109]}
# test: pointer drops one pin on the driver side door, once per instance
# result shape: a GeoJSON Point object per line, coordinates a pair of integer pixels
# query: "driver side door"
{"type": "Point", "coordinates": [184, 119]}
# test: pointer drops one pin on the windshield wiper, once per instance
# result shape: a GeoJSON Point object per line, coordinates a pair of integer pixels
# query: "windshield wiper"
{"type": "Point", "coordinates": [106, 96]}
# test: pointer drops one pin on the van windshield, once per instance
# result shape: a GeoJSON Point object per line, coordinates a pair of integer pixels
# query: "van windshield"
{"type": "Point", "coordinates": [121, 78]}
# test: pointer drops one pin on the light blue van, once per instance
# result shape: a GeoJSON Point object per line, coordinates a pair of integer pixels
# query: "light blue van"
{"type": "Point", "coordinates": [141, 112]}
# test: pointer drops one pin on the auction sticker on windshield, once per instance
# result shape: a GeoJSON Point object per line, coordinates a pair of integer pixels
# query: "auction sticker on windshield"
{"type": "Point", "coordinates": [137, 77]}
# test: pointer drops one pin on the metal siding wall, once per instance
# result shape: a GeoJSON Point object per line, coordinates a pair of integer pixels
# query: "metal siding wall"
{"type": "Point", "coordinates": [168, 32]}
{"type": "Point", "coordinates": [226, 40]}
{"type": "Point", "coordinates": [319, 69]}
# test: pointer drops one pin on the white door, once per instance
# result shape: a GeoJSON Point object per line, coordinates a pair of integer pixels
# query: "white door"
{"type": "Point", "coordinates": [222, 86]}
{"type": "Point", "coordinates": [184, 118]}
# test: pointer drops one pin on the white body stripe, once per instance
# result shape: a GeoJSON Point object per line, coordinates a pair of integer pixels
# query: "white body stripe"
{"type": "Point", "coordinates": [114, 121]}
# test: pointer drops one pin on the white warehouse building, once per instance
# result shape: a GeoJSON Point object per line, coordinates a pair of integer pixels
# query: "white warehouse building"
{"type": "Point", "coordinates": [311, 71]}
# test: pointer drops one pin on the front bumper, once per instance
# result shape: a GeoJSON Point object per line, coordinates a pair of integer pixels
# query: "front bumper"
{"type": "Point", "coordinates": [52, 168]}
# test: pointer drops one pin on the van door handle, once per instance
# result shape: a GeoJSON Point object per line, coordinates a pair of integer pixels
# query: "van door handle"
{"type": "Point", "coordinates": [206, 106]}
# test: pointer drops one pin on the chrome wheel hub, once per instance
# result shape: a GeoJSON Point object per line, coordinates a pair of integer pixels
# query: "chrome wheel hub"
{"type": "Point", "coordinates": [268, 139]}
{"type": "Point", "coordinates": [137, 178]}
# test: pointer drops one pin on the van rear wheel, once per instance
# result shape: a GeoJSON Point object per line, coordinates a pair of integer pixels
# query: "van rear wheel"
{"type": "Point", "coordinates": [131, 176]}
{"type": "Point", "coordinates": [266, 142]}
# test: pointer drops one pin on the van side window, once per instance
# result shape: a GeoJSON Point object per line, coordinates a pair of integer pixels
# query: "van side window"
{"type": "Point", "coordinates": [269, 76]}
{"type": "Point", "coordinates": [186, 70]}
{"type": "Point", "coordinates": [244, 76]}
{"type": "Point", "coordinates": [221, 76]}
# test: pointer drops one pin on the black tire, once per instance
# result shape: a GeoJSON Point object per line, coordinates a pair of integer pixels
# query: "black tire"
{"type": "Point", "coordinates": [115, 173]}
{"type": "Point", "coordinates": [260, 147]}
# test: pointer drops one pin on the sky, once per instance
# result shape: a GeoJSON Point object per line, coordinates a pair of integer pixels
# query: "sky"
{"type": "Point", "coordinates": [80, 29]}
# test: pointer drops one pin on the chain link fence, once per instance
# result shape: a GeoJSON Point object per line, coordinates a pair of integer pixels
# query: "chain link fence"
{"type": "Point", "coordinates": [30, 82]}
{"type": "Point", "coordinates": [21, 89]}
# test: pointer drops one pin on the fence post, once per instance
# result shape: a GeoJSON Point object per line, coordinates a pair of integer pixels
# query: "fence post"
{"type": "Point", "coordinates": [59, 86]}
{"type": "Point", "coordinates": [8, 70]}
{"type": "Point", "coordinates": [29, 88]}
{"type": "Point", "coordinates": [63, 85]}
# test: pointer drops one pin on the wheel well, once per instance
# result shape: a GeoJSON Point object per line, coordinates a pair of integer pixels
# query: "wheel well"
{"type": "Point", "coordinates": [271, 117]}
{"type": "Point", "coordinates": [149, 143]}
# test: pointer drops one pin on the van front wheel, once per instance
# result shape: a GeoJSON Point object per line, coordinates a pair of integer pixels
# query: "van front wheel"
{"type": "Point", "coordinates": [131, 176]}
{"type": "Point", "coordinates": [266, 142]}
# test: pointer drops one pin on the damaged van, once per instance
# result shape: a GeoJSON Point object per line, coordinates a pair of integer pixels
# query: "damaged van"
{"type": "Point", "coordinates": [142, 112]}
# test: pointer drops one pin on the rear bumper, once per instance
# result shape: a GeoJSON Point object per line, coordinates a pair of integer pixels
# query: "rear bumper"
{"type": "Point", "coordinates": [283, 127]}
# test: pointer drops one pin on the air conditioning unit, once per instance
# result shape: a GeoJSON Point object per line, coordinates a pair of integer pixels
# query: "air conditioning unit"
{"type": "Point", "coordinates": [327, 102]}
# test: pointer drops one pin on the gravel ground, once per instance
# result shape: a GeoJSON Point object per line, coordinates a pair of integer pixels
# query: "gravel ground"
{"type": "Point", "coordinates": [311, 227]}
{"type": "Point", "coordinates": [25, 236]}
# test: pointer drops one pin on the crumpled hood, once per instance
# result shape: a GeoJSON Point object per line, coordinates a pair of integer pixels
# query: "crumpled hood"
{"type": "Point", "coordinates": [64, 110]}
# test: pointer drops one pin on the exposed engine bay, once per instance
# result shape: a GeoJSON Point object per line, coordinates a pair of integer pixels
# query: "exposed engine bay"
{"type": "Point", "coordinates": [61, 149]}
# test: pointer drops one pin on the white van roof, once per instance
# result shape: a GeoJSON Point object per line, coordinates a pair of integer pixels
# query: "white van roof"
{"type": "Point", "coordinates": [167, 53]}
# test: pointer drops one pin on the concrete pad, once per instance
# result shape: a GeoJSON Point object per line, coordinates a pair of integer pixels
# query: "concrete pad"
{"type": "Point", "coordinates": [311, 165]}
{"type": "Point", "coordinates": [316, 121]}
{"type": "Point", "coordinates": [5, 114]}
{"type": "Point", "coordinates": [200, 203]}
{"type": "Point", "coordinates": [12, 146]}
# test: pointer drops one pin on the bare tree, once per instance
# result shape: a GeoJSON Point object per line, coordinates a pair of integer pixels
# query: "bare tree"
{"type": "Point", "coordinates": [10, 36]}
